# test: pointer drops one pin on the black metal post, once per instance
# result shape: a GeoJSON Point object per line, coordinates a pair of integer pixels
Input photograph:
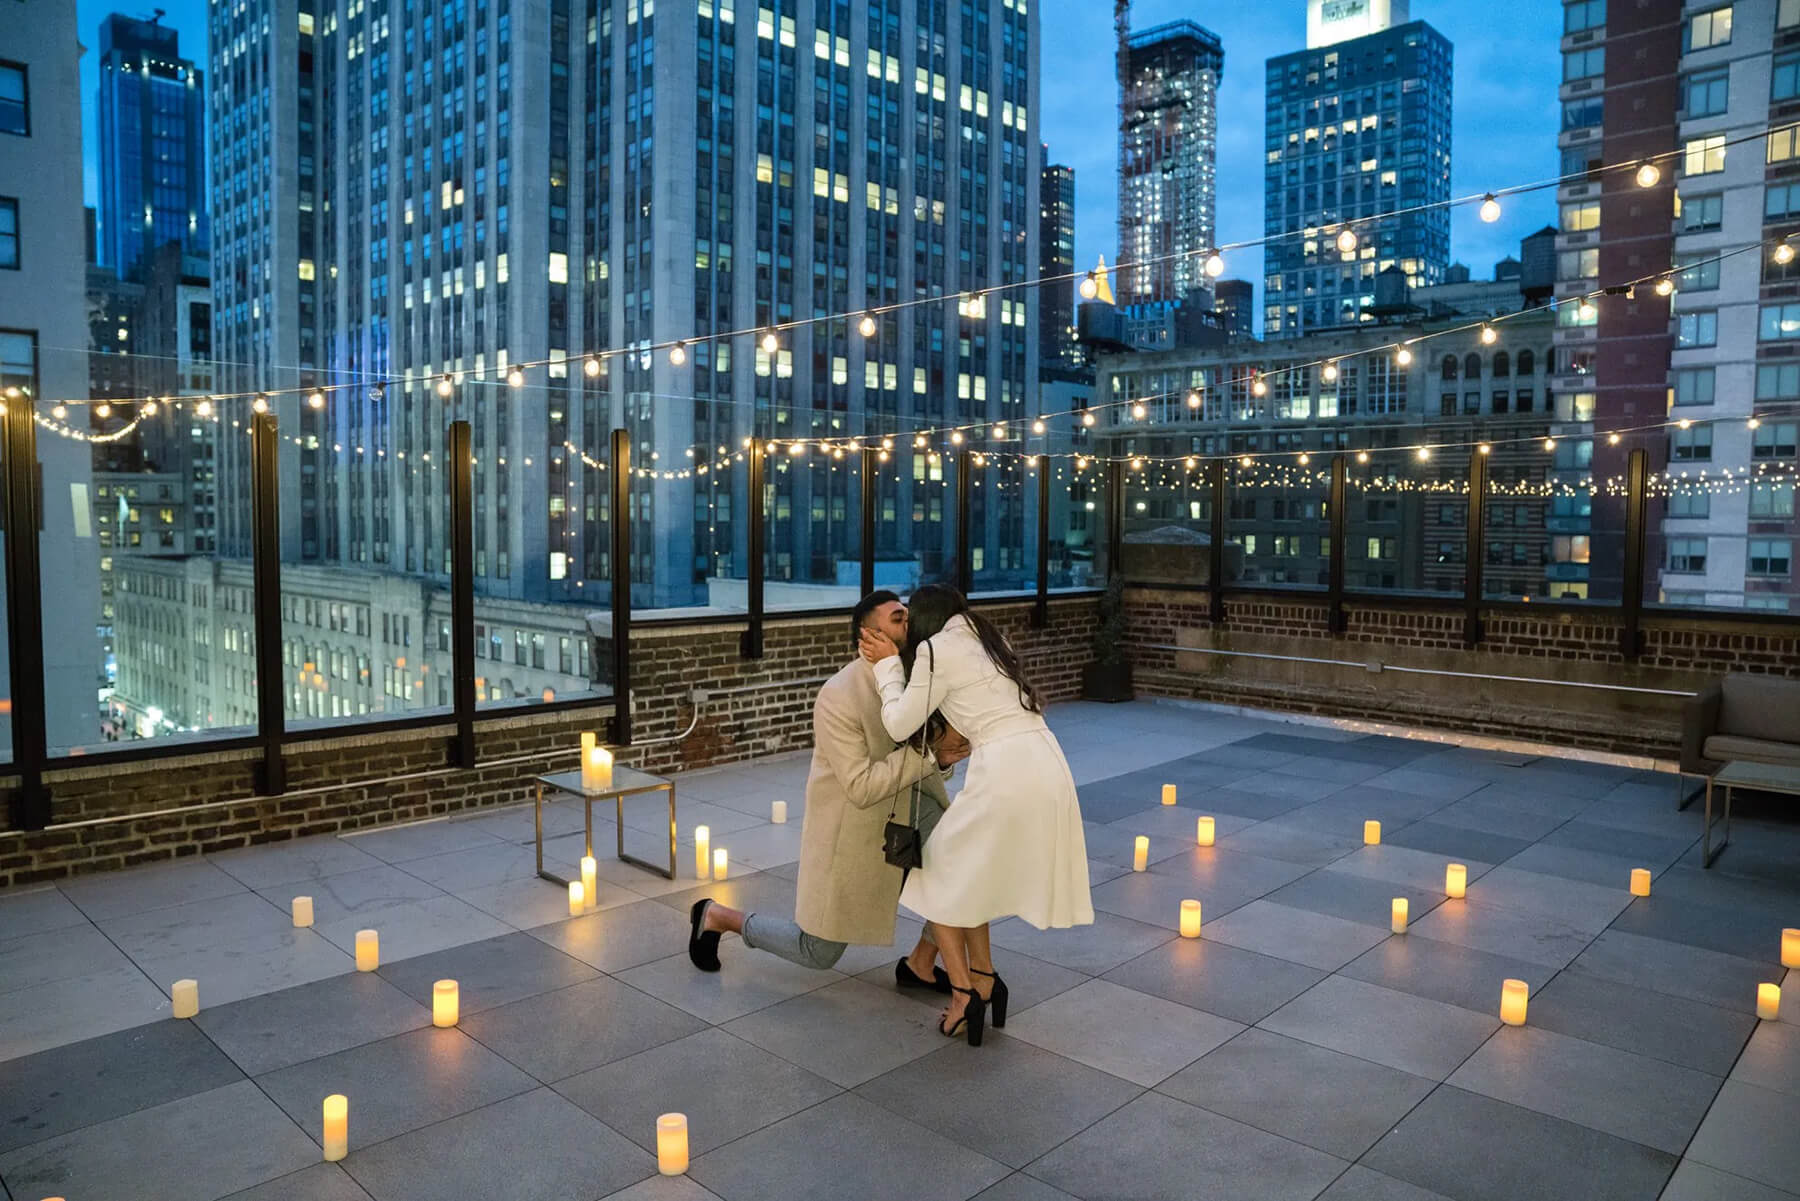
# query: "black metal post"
{"type": "Point", "coordinates": [1040, 609]}
{"type": "Point", "coordinates": [869, 465]}
{"type": "Point", "coordinates": [1631, 592]}
{"type": "Point", "coordinates": [1115, 518]}
{"type": "Point", "coordinates": [265, 572]}
{"type": "Point", "coordinates": [1340, 473]}
{"type": "Point", "coordinates": [462, 592]}
{"type": "Point", "coordinates": [1476, 556]}
{"type": "Point", "coordinates": [1216, 564]}
{"type": "Point", "coordinates": [621, 586]}
{"type": "Point", "coordinates": [965, 521]}
{"type": "Point", "coordinates": [29, 806]}
{"type": "Point", "coordinates": [750, 646]}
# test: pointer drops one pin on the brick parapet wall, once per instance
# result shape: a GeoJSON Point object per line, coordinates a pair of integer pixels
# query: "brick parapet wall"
{"type": "Point", "coordinates": [1554, 660]}
{"type": "Point", "coordinates": [151, 810]}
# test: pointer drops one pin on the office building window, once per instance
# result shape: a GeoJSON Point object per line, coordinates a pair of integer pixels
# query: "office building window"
{"type": "Point", "coordinates": [1710, 28]}
{"type": "Point", "coordinates": [1690, 503]}
{"type": "Point", "coordinates": [1590, 14]}
{"type": "Point", "coordinates": [1706, 93]}
{"type": "Point", "coordinates": [1579, 64]}
{"type": "Point", "coordinates": [1773, 440]}
{"type": "Point", "coordinates": [1700, 329]}
{"type": "Point", "coordinates": [15, 101]}
{"type": "Point", "coordinates": [1781, 199]}
{"type": "Point", "coordinates": [1784, 76]}
{"type": "Point", "coordinates": [1771, 501]}
{"type": "Point", "coordinates": [1702, 214]}
{"type": "Point", "coordinates": [1704, 156]}
{"type": "Point", "coordinates": [1780, 321]}
{"type": "Point", "coordinates": [1778, 382]}
{"type": "Point", "coordinates": [1783, 145]}
{"type": "Point", "coordinates": [1697, 272]}
{"type": "Point", "coordinates": [1687, 555]}
{"type": "Point", "coordinates": [1769, 556]}
{"type": "Point", "coordinates": [1787, 13]}
{"type": "Point", "coordinates": [9, 233]}
{"type": "Point", "coordinates": [1692, 445]}
{"type": "Point", "coordinates": [1694, 386]}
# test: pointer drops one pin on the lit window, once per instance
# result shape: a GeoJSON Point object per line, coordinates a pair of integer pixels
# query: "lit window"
{"type": "Point", "coordinates": [1703, 156]}
{"type": "Point", "coordinates": [1710, 28]}
{"type": "Point", "coordinates": [1701, 328]}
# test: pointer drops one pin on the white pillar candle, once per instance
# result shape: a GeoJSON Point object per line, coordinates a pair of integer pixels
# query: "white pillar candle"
{"type": "Point", "coordinates": [368, 950]}
{"type": "Point", "coordinates": [778, 813]}
{"type": "Point", "coordinates": [446, 1003]}
{"type": "Point", "coordinates": [719, 864]}
{"type": "Point", "coordinates": [1768, 1001]}
{"type": "Point", "coordinates": [184, 998]}
{"type": "Point", "coordinates": [1204, 831]}
{"type": "Point", "coordinates": [672, 1144]}
{"type": "Point", "coordinates": [590, 882]}
{"type": "Point", "coordinates": [1513, 996]}
{"type": "Point", "coordinates": [1140, 853]}
{"type": "Point", "coordinates": [1456, 880]}
{"type": "Point", "coordinates": [1371, 833]}
{"type": "Point", "coordinates": [577, 898]}
{"type": "Point", "coordinates": [1190, 919]}
{"type": "Point", "coordinates": [1168, 794]}
{"type": "Point", "coordinates": [337, 1127]}
{"type": "Point", "coordinates": [702, 852]}
{"type": "Point", "coordinates": [589, 740]}
{"type": "Point", "coordinates": [1640, 881]}
{"type": "Point", "coordinates": [596, 769]}
{"type": "Point", "coordinates": [1790, 948]}
{"type": "Point", "coordinates": [303, 911]}
{"type": "Point", "coordinates": [1399, 919]}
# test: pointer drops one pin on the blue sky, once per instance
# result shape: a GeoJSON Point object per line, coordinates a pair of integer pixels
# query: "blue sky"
{"type": "Point", "coordinates": [1506, 111]}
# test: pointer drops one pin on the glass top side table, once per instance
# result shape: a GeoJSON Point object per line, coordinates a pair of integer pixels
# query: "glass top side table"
{"type": "Point", "coordinates": [626, 782]}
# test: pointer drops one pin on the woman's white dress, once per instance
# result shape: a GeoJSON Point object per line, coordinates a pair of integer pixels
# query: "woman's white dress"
{"type": "Point", "coordinates": [1011, 843]}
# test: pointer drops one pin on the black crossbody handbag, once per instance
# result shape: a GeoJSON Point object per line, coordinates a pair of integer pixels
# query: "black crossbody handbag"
{"type": "Point", "coordinates": [901, 844]}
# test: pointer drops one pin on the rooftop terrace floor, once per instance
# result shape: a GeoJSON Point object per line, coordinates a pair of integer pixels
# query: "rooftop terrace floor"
{"type": "Point", "coordinates": [1298, 1050]}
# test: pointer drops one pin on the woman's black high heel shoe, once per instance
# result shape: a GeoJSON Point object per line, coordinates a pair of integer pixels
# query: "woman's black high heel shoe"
{"type": "Point", "coordinates": [973, 1019]}
{"type": "Point", "coordinates": [997, 1000]}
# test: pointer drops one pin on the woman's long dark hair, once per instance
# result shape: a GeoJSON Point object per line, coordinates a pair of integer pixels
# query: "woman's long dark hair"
{"type": "Point", "coordinates": [930, 609]}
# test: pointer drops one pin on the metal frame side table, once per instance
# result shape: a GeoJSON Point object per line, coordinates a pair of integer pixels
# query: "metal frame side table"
{"type": "Point", "coordinates": [1742, 773]}
{"type": "Point", "coordinates": [626, 782]}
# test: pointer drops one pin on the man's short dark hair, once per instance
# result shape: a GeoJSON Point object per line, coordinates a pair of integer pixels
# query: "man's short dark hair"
{"type": "Point", "coordinates": [866, 606]}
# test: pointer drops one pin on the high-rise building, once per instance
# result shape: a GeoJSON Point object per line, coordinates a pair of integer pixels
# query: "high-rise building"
{"type": "Point", "coordinates": [151, 145]}
{"type": "Point", "coordinates": [524, 184]}
{"type": "Point", "coordinates": [43, 330]}
{"type": "Point", "coordinates": [1356, 125]}
{"type": "Point", "coordinates": [1168, 142]}
{"type": "Point", "coordinates": [1234, 300]}
{"type": "Point", "coordinates": [1056, 259]}
{"type": "Point", "coordinates": [1619, 99]}
{"type": "Point", "coordinates": [1736, 320]}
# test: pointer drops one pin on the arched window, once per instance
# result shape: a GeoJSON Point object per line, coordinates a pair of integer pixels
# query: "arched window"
{"type": "Point", "coordinates": [1472, 367]}
{"type": "Point", "coordinates": [1526, 362]}
{"type": "Point", "coordinates": [1502, 364]}
{"type": "Point", "coordinates": [1449, 366]}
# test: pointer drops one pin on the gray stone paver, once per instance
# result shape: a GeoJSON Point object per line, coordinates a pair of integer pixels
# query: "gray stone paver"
{"type": "Point", "coordinates": [1218, 1051]}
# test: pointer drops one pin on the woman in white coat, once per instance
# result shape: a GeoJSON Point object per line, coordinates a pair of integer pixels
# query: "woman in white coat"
{"type": "Point", "coordinates": [1011, 843]}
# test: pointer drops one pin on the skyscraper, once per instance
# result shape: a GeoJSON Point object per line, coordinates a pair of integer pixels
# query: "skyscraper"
{"type": "Point", "coordinates": [152, 145]}
{"type": "Point", "coordinates": [723, 175]}
{"type": "Point", "coordinates": [1056, 259]}
{"type": "Point", "coordinates": [1168, 142]}
{"type": "Point", "coordinates": [1357, 124]}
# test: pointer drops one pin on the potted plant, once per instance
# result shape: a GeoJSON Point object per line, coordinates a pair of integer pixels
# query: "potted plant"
{"type": "Point", "coordinates": [1108, 677]}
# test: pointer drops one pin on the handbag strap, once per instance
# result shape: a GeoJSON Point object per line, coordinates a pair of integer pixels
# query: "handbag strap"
{"type": "Point", "coordinates": [919, 783]}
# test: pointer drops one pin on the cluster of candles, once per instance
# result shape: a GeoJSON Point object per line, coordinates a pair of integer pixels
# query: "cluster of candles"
{"type": "Point", "coordinates": [1514, 994]}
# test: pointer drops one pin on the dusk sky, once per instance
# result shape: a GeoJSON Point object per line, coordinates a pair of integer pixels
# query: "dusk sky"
{"type": "Point", "coordinates": [1507, 72]}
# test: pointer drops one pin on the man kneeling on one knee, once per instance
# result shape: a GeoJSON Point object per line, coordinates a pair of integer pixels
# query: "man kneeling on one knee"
{"type": "Point", "coordinates": [848, 892]}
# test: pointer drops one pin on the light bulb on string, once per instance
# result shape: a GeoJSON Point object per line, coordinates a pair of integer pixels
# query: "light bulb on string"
{"type": "Point", "coordinates": [261, 403]}
{"type": "Point", "coordinates": [1215, 265]}
{"type": "Point", "coordinates": [866, 327]}
{"type": "Point", "coordinates": [1305, 458]}
{"type": "Point", "coordinates": [1258, 387]}
{"type": "Point", "coordinates": [591, 368]}
{"type": "Point", "coordinates": [1193, 398]}
{"type": "Point", "coordinates": [1138, 411]}
{"type": "Point", "coordinates": [103, 411]}
{"type": "Point", "coordinates": [1484, 448]}
{"type": "Point", "coordinates": [1362, 456]}
{"type": "Point", "coordinates": [1784, 254]}
{"type": "Point", "coordinates": [771, 342]}
{"type": "Point", "coordinates": [315, 400]}
{"type": "Point", "coordinates": [1137, 464]}
{"type": "Point", "coordinates": [1245, 461]}
{"type": "Point", "coordinates": [1648, 175]}
{"type": "Point", "coordinates": [999, 429]}
{"type": "Point", "coordinates": [1424, 453]}
{"type": "Point", "coordinates": [1331, 371]}
{"type": "Point", "coordinates": [1087, 419]}
{"type": "Point", "coordinates": [59, 411]}
{"type": "Point", "coordinates": [1586, 310]}
{"type": "Point", "coordinates": [1685, 422]}
{"type": "Point", "coordinates": [1346, 240]}
{"type": "Point", "coordinates": [887, 444]}
{"type": "Point", "coordinates": [1665, 286]}
{"type": "Point", "coordinates": [1489, 335]}
{"type": "Point", "coordinates": [1090, 288]}
{"type": "Point", "coordinates": [515, 378]}
{"type": "Point", "coordinates": [1549, 443]}
{"type": "Point", "coordinates": [444, 386]}
{"type": "Point", "coordinates": [678, 354]}
{"type": "Point", "coordinates": [1038, 426]}
{"type": "Point", "coordinates": [1403, 357]}
{"type": "Point", "coordinates": [956, 438]}
{"type": "Point", "coordinates": [919, 442]}
{"type": "Point", "coordinates": [1490, 208]}
{"type": "Point", "coordinates": [1612, 439]}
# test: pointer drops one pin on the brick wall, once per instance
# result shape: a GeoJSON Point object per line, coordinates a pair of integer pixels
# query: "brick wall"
{"type": "Point", "coordinates": [161, 809]}
{"type": "Point", "coordinates": [1398, 663]}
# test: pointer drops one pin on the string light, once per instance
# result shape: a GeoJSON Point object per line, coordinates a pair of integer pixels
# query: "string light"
{"type": "Point", "coordinates": [104, 410]}
{"type": "Point", "coordinates": [1193, 398]}
{"type": "Point", "coordinates": [866, 327]}
{"type": "Point", "coordinates": [1038, 426]}
{"type": "Point", "coordinates": [445, 386]}
{"type": "Point", "coordinates": [260, 404]}
{"type": "Point", "coordinates": [919, 442]}
{"type": "Point", "coordinates": [149, 409]}
{"type": "Point", "coordinates": [515, 378]}
{"type": "Point", "coordinates": [1087, 419]}
{"type": "Point", "coordinates": [1753, 422]}
{"type": "Point", "coordinates": [1304, 458]}
{"type": "Point", "coordinates": [202, 409]}
{"type": "Point", "coordinates": [1665, 286]}
{"type": "Point", "coordinates": [1613, 438]}
{"type": "Point", "coordinates": [1258, 387]}
{"type": "Point", "coordinates": [999, 429]}
{"type": "Point", "coordinates": [1784, 254]}
{"type": "Point", "coordinates": [1090, 287]}
{"type": "Point", "coordinates": [1549, 443]}
{"type": "Point", "coordinates": [1648, 175]}
{"type": "Point", "coordinates": [591, 368]}
{"type": "Point", "coordinates": [60, 412]}
{"type": "Point", "coordinates": [1586, 310]}
{"type": "Point", "coordinates": [1362, 456]}
{"type": "Point", "coordinates": [1424, 452]}
{"type": "Point", "coordinates": [1138, 411]}
{"type": "Point", "coordinates": [677, 354]}
{"type": "Point", "coordinates": [1490, 208]}
{"type": "Point", "coordinates": [771, 342]}
{"type": "Point", "coordinates": [316, 400]}
{"type": "Point", "coordinates": [1484, 448]}
{"type": "Point", "coordinates": [1215, 265]}
{"type": "Point", "coordinates": [1489, 335]}
{"type": "Point", "coordinates": [1685, 423]}
{"type": "Point", "coordinates": [1403, 357]}
{"type": "Point", "coordinates": [956, 438]}
{"type": "Point", "coordinates": [1331, 371]}
{"type": "Point", "coordinates": [1346, 240]}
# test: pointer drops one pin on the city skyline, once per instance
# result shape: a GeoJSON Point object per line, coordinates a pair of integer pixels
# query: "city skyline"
{"type": "Point", "coordinates": [1504, 129]}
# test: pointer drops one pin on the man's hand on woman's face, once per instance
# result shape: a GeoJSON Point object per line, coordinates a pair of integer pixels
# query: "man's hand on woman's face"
{"type": "Point", "coordinates": [950, 748]}
{"type": "Point", "coordinates": [876, 646]}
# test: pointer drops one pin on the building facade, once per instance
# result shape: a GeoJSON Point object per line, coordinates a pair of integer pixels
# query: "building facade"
{"type": "Point", "coordinates": [151, 145]}
{"type": "Point", "coordinates": [43, 333]}
{"type": "Point", "coordinates": [682, 173]}
{"type": "Point", "coordinates": [1056, 260]}
{"type": "Point", "coordinates": [1353, 129]}
{"type": "Point", "coordinates": [1266, 404]}
{"type": "Point", "coordinates": [1168, 147]}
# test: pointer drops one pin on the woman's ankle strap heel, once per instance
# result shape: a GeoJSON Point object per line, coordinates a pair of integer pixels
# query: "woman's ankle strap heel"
{"type": "Point", "coordinates": [997, 1001]}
